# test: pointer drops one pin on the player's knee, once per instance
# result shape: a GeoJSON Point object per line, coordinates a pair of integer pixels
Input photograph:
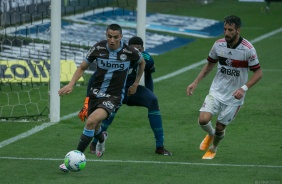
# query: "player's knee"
{"type": "Point", "coordinates": [91, 123]}
{"type": "Point", "coordinates": [204, 118]}
{"type": "Point", "coordinates": [220, 129]}
{"type": "Point", "coordinates": [154, 104]}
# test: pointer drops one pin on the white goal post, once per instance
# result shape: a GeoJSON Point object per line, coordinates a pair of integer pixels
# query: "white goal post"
{"type": "Point", "coordinates": [55, 51]}
{"type": "Point", "coordinates": [55, 60]}
{"type": "Point", "coordinates": [43, 41]}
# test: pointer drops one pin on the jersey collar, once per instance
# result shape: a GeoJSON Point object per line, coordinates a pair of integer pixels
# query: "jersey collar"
{"type": "Point", "coordinates": [236, 45]}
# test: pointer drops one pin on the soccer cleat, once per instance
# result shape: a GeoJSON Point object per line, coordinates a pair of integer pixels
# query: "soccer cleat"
{"type": "Point", "coordinates": [206, 142]}
{"type": "Point", "coordinates": [100, 147]}
{"type": "Point", "coordinates": [210, 154]}
{"type": "Point", "coordinates": [162, 151]}
{"type": "Point", "coordinates": [93, 148]}
{"type": "Point", "coordinates": [63, 168]}
{"type": "Point", "coordinates": [83, 113]}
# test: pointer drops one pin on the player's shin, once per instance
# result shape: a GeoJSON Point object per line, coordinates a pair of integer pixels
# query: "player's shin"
{"type": "Point", "coordinates": [219, 135]}
{"type": "Point", "coordinates": [107, 122]}
{"type": "Point", "coordinates": [155, 120]}
{"type": "Point", "coordinates": [85, 139]}
{"type": "Point", "coordinates": [208, 128]}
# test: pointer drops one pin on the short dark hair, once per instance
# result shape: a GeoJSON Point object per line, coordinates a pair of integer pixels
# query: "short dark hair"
{"type": "Point", "coordinates": [115, 27]}
{"type": "Point", "coordinates": [135, 40]}
{"type": "Point", "coordinates": [233, 19]}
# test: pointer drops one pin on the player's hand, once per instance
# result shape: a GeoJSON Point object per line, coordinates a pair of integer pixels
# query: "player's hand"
{"type": "Point", "coordinates": [190, 89]}
{"type": "Point", "coordinates": [83, 113]}
{"type": "Point", "coordinates": [132, 89]}
{"type": "Point", "coordinates": [239, 93]}
{"type": "Point", "coordinates": [65, 90]}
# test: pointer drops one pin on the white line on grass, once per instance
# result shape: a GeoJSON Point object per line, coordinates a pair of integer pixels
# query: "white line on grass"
{"type": "Point", "coordinates": [33, 131]}
{"type": "Point", "coordinates": [151, 162]}
{"type": "Point", "coordinates": [182, 70]}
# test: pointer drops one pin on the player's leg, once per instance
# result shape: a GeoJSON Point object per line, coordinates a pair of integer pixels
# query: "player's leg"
{"type": "Point", "coordinates": [206, 113]}
{"type": "Point", "coordinates": [92, 125]}
{"type": "Point", "coordinates": [218, 136]}
{"type": "Point", "coordinates": [110, 105]}
{"type": "Point", "coordinates": [104, 126]}
{"type": "Point", "coordinates": [146, 98]}
{"type": "Point", "coordinates": [92, 122]}
{"type": "Point", "coordinates": [226, 115]}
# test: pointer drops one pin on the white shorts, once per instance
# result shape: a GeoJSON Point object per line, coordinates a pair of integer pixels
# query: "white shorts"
{"type": "Point", "coordinates": [226, 113]}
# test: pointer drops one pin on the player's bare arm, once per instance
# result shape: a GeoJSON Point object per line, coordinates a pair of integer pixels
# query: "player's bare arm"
{"type": "Point", "coordinates": [204, 72]}
{"type": "Point", "coordinates": [140, 70]}
{"type": "Point", "coordinates": [78, 73]}
{"type": "Point", "coordinates": [239, 93]}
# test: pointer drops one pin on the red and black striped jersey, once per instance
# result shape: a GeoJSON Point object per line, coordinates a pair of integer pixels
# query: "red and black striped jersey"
{"type": "Point", "coordinates": [232, 70]}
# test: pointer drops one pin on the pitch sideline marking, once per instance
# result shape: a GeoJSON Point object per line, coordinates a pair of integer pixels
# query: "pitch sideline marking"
{"type": "Point", "coordinates": [150, 162]}
{"type": "Point", "coordinates": [46, 125]}
{"type": "Point", "coordinates": [33, 131]}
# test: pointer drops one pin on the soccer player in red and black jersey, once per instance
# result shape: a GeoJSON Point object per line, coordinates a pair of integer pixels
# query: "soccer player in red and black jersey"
{"type": "Point", "coordinates": [113, 59]}
{"type": "Point", "coordinates": [234, 57]}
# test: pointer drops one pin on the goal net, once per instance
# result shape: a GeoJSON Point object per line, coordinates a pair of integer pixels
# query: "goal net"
{"type": "Point", "coordinates": [25, 48]}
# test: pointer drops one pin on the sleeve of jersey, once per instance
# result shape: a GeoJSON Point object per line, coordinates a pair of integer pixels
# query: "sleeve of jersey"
{"type": "Point", "coordinates": [213, 58]}
{"type": "Point", "coordinates": [137, 56]}
{"type": "Point", "coordinates": [253, 60]}
{"type": "Point", "coordinates": [90, 55]}
{"type": "Point", "coordinates": [150, 64]}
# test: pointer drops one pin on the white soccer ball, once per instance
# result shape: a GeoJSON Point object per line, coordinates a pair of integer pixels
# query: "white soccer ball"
{"type": "Point", "coordinates": [75, 161]}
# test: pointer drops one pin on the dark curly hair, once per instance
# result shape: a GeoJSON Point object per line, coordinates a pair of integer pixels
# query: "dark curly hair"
{"type": "Point", "coordinates": [135, 40]}
{"type": "Point", "coordinates": [233, 19]}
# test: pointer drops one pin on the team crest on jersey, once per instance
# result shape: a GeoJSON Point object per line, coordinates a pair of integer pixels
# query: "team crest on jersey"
{"type": "Point", "coordinates": [228, 62]}
{"type": "Point", "coordinates": [123, 57]}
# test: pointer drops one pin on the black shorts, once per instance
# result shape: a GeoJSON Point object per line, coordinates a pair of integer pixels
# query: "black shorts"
{"type": "Point", "coordinates": [109, 104]}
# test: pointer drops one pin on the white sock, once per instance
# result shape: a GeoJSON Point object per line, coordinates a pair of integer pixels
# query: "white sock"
{"type": "Point", "coordinates": [208, 128]}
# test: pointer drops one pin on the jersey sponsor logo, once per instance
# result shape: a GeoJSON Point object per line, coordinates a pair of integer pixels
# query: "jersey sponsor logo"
{"type": "Point", "coordinates": [110, 64]}
{"type": "Point", "coordinates": [253, 57]}
{"type": "Point", "coordinates": [127, 51]}
{"type": "Point", "coordinates": [231, 72]}
{"type": "Point", "coordinates": [101, 48]}
{"type": "Point", "coordinates": [109, 104]}
{"type": "Point", "coordinates": [99, 94]}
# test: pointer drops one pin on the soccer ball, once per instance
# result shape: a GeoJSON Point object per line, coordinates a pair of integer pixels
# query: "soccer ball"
{"type": "Point", "coordinates": [75, 161]}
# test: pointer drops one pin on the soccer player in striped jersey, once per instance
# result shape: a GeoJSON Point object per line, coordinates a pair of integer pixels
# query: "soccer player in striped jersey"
{"type": "Point", "coordinates": [234, 56]}
{"type": "Point", "coordinates": [144, 97]}
{"type": "Point", "coordinates": [113, 59]}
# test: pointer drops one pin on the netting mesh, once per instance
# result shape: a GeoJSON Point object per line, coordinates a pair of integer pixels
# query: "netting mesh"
{"type": "Point", "coordinates": [25, 49]}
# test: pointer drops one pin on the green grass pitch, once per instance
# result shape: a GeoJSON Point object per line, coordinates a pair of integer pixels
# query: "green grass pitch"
{"type": "Point", "coordinates": [250, 153]}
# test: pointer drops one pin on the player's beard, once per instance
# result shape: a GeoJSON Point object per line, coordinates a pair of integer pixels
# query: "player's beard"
{"type": "Point", "coordinates": [229, 39]}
